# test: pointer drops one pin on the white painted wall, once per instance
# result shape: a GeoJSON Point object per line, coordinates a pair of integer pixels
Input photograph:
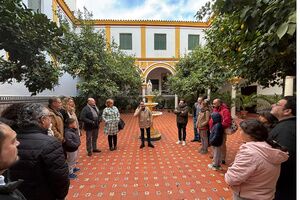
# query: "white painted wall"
{"type": "Point", "coordinates": [136, 38]}
{"type": "Point", "coordinates": [184, 40]}
{"type": "Point", "coordinates": [72, 4]}
{"type": "Point", "coordinates": [169, 52]}
{"type": "Point", "coordinates": [66, 87]}
{"type": "Point", "coordinates": [2, 54]}
{"type": "Point", "coordinates": [47, 8]}
{"type": "Point", "coordinates": [270, 90]}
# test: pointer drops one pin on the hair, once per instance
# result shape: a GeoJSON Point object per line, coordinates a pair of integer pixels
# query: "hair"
{"type": "Point", "coordinates": [206, 103]}
{"type": "Point", "coordinates": [65, 104]}
{"type": "Point", "coordinates": [272, 120]}
{"type": "Point", "coordinates": [290, 103]}
{"type": "Point", "coordinates": [30, 114]}
{"type": "Point", "coordinates": [258, 132]}
{"type": "Point", "coordinates": [109, 100]}
{"type": "Point", "coordinates": [2, 135]}
{"type": "Point", "coordinates": [69, 121]}
{"type": "Point", "coordinates": [10, 114]}
{"type": "Point", "coordinates": [52, 100]}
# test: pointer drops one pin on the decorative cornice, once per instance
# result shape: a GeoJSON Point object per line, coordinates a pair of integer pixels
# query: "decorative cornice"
{"type": "Point", "coordinates": [157, 59]}
{"type": "Point", "coordinates": [62, 4]}
{"type": "Point", "coordinates": [113, 22]}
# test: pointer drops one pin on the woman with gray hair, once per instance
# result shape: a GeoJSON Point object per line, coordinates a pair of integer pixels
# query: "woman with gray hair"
{"type": "Point", "coordinates": [111, 117]}
{"type": "Point", "coordinates": [42, 163]}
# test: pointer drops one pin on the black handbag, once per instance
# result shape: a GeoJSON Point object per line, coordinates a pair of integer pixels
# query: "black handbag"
{"type": "Point", "coordinates": [121, 124]}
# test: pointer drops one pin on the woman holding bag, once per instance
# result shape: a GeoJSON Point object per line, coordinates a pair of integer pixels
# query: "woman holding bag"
{"type": "Point", "coordinates": [111, 118]}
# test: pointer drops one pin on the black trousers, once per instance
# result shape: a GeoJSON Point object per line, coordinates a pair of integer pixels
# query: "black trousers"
{"type": "Point", "coordinates": [148, 135]}
{"type": "Point", "coordinates": [112, 141]}
{"type": "Point", "coordinates": [181, 131]}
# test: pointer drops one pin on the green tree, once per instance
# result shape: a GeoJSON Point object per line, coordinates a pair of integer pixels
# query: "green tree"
{"type": "Point", "coordinates": [196, 72]}
{"type": "Point", "coordinates": [257, 39]}
{"type": "Point", "coordinates": [28, 38]}
{"type": "Point", "coordinates": [103, 72]}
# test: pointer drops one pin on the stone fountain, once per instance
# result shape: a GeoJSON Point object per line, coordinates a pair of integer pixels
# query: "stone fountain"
{"type": "Point", "coordinates": [155, 134]}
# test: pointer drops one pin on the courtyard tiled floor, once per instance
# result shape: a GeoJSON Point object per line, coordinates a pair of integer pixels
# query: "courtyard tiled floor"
{"type": "Point", "coordinates": [169, 171]}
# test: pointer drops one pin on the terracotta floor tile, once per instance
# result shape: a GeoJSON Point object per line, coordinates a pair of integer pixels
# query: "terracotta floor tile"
{"type": "Point", "coordinates": [169, 171]}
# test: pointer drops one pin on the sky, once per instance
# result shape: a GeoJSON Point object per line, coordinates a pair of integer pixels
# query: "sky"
{"type": "Point", "coordinates": [183, 10]}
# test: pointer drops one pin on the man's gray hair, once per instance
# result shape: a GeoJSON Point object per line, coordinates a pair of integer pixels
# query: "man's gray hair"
{"type": "Point", "coordinates": [30, 114]}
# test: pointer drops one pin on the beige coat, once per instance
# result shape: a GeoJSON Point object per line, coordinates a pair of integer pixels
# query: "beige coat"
{"type": "Point", "coordinates": [203, 119]}
{"type": "Point", "coordinates": [145, 117]}
{"type": "Point", "coordinates": [57, 124]}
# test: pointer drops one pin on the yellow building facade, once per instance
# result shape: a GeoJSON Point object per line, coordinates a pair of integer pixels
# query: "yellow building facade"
{"type": "Point", "coordinates": [157, 45]}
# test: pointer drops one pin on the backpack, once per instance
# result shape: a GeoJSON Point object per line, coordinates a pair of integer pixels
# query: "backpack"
{"type": "Point", "coordinates": [232, 129]}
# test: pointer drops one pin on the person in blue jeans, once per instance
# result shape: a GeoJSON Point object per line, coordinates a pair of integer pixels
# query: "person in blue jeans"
{"type": "Point", "coordinates": [196, 110]}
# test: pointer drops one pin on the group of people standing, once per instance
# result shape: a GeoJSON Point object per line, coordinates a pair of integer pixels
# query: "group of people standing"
{"type": "Point", "coordinates": [48, 139]}
{"type": "Point", "coordinates": [265, 165]}
{"type": "Point", "coordinates": [209, 126]}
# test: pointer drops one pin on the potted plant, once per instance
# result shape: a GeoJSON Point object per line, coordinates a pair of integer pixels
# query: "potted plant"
{"type": "Point", "coordinates": [245, 101]}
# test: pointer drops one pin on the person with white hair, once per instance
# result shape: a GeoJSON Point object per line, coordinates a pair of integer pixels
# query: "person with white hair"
{"type": "Point", "coordinates": [90, 116]}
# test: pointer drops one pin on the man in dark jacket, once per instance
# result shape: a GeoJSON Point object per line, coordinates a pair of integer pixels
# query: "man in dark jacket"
{"type": "Point", "coordinates": [91, 118]}
{"type": "Point", "coordinates": [284, 133]}
{"type": "Point", "coordinates": [182, 119]}
{"type": "Point", "coordinates": [42, 163]}
{"type": "Point", "coordinates": [8, 156]}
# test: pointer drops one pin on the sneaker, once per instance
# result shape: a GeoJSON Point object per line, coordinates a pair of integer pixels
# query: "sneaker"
{"type": "Point", "coordinates": [214, 167]}
{"type": "Point", "coordinates": [111, 148]}
{"type": "Point", "coordinates": [223, 162]}
{"type": "Point", "coordinates": [89, 154]}
{"type": "Point", "coordinates": [150, 145]}
{"type": "Point", "coordinates": [72, 176]}
{"type": "Point", "coordinates": [142, 146]}
{"type": "Point", "coordinates": [183, 143]}
{"type": "Point", "coordinates": [76, 169]}
{"type": "Point", "coordinates": [194, 140]}
{"type": "Point", "coordinates": [178, 142]}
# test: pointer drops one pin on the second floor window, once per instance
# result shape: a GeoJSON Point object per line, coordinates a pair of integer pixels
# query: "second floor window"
{"type": "Point", "coordinates": [193, 41]}
{"type": "Point", "coordinates": [160, 41]}
{"type": "Point", "coordinates": [126, 41]}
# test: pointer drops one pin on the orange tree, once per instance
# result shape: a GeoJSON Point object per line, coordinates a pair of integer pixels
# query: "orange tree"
{"type": "Point", "coordinates": [28, 37]}
{"type": "Point", "coordinates": [256, 39]}
{"type": "Point", "coordinates": [196, 72]}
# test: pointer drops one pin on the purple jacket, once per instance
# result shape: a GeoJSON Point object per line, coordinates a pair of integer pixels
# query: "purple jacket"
{"type": "Point", "coordinates": [255, 171]}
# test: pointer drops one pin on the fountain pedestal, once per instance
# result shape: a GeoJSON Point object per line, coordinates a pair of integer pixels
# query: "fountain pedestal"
{"type": "Point", "coordinates": [154, 134]}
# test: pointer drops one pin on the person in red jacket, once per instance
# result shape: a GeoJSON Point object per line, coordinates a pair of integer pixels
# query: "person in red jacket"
{"type": "Point", "coordinates": [222, 109]}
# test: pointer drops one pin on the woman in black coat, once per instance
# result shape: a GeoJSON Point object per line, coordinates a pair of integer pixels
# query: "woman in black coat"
{"type": "Point", "coordinates": [42, 163]}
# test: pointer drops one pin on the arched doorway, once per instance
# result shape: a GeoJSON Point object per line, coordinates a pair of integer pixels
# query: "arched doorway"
{"type": "Point", "coordinates": [158, 74]}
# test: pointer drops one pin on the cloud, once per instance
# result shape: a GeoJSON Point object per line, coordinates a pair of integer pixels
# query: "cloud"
{"type": "Point", "coordinates": [147, 9]}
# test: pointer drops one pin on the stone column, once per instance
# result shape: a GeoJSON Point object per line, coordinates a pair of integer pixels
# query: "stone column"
{"type": "Point", "coordinates": [176, 101]}
{"type": "Point", "coordinates": [289, 86]}
{"type": "Point", "coordinates": [233, 96]}
{"type": "Point", "coordinates": [144, 86]}
{"type": "Point", "coordinates": [234, 83]}
{"type": "Point", "coordinates": [208, 93]}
